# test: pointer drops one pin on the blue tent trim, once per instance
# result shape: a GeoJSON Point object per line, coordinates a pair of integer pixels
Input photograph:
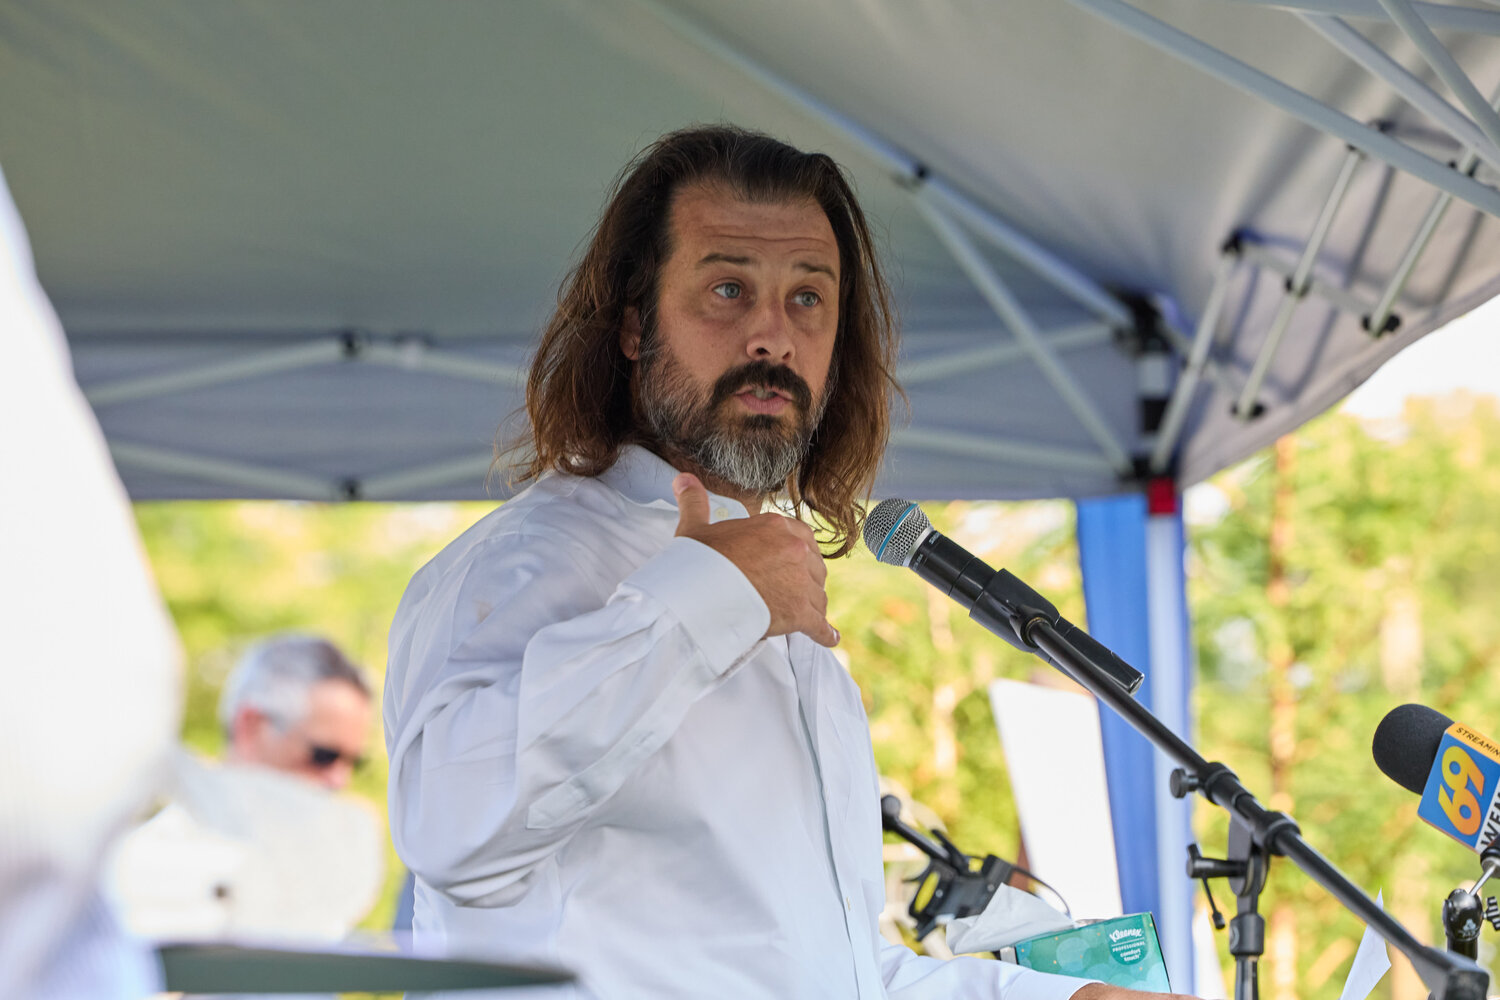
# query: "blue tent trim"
{"type": "Point", "coordinates": [1114, 535]}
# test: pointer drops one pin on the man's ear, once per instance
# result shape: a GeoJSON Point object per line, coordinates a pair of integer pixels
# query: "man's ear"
{"type": "Point", "coordinates": [245, 729]}
{"type": "Point", "coordinates": [630, 333]}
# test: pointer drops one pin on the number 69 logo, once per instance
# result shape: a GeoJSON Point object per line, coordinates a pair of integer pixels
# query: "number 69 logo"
{"type": "Point", "coordinates": [1464, 782]}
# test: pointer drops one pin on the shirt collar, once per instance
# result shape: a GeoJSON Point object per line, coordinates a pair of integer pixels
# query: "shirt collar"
{"type": "Point", "coordinates": [643, 477]}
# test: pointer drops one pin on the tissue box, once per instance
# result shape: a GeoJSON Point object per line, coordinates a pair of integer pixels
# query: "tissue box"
{"type": "Point", "coordinates": [1123, 951]}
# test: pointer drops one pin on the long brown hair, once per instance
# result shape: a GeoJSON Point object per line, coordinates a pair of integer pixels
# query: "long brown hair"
{"type": "Point", "coordinates": [578, 393]}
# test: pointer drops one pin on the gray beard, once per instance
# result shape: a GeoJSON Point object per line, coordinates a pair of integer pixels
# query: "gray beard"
{"type": "Point", "coordinates": [760, 463]}
{"type": "Point", "coordinates": [756, 453]}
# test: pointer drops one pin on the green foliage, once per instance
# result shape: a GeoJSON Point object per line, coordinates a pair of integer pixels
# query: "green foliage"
{"type": "Point", "coordinates": [1390, 554]}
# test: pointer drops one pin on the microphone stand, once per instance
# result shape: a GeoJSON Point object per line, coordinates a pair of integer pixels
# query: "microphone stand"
{"type": "Point", "coordinates": [1256, 834]}
{"type": "Point", "coordinates": [1463, 913]}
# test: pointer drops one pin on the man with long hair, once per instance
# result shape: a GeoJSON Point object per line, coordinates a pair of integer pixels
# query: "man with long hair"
{"type": "Point", "coordinates": [618, 738]}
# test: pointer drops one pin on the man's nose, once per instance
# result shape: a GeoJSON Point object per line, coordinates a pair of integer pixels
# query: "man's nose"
{"type": "Point", "coordinates": [770, 332]}
{"type": "Point", "coordinates": [336, 777]}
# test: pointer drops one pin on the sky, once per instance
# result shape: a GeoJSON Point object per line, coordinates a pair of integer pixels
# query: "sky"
{"type": "Point", "coordinates": [1465, 354]}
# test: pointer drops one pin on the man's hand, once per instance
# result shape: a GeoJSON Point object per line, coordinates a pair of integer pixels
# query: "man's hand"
{"type": "Point", "coordinates": [777, 554]}
{"type": "Point", "coordinates": [1104, 991]}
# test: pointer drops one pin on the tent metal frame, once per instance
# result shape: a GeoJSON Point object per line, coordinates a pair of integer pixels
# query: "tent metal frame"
{"type": "Point", "coordinates": [1438, 15]}
{"type": "Point", "coordinates": [956, 219]}
{"type": "Point", "coordinates": [1478, 134]}
{"type": "Point", "coordinates": [1247, 405]}
{"type": "Point", "coordinates": [418, 355]}
{"type": "Point", "coordinates": [1311, 111]}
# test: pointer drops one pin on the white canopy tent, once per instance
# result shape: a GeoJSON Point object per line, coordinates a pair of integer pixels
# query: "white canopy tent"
{"type": "Point", "coordinates": [302, 248]}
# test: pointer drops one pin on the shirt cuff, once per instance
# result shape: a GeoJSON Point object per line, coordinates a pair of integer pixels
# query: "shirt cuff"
{"type": "Point", "coordinates": [716, 603]}
{"type": "Point", "coordinates": [1022, 983]}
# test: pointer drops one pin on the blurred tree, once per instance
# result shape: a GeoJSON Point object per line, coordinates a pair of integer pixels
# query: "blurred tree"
{"type": "Point", "coordinates": [1376, 590]}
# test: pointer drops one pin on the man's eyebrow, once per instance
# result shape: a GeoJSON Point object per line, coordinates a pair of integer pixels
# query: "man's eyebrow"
{"type": "Point", "coordinates": [729, 258]}
{"type": "Point", "coordinates": [812, 268]}
{"type": "Point", "coordinates": [724, 258]}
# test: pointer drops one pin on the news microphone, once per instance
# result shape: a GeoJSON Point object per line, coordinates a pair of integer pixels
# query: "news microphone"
{"type": "Point", "coordinates": [1453, 768]}
{"type": "Point", "coordinates": [898, 533]}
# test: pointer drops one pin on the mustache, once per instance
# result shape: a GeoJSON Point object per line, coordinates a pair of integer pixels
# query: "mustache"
{"type": "Point", "coordinates": [764, 374]}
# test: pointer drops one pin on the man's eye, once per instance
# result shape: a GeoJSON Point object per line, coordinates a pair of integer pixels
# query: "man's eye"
{"type": "Point", "coordinates": [807, 299]}
{"type": "Point", "coordinates": [728, 289]}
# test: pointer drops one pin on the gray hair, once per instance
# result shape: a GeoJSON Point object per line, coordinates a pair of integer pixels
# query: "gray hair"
{"type": "Point", "coordinates": [275, 676]}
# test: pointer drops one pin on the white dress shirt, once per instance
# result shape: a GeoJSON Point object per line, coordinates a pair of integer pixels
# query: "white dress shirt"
{"type": "Point", "coordinates": [598, 761]}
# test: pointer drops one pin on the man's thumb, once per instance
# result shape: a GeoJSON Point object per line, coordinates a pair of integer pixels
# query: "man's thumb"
{"type": "Point", "coordinates": [692, 503]}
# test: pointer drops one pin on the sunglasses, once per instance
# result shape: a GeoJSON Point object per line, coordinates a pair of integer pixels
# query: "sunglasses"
{"type": "Point", "coordinates": [323, 758]}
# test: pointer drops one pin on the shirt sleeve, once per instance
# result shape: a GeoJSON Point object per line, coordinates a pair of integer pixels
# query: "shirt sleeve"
{"type": "Point", "coordinates": [526, 722]}
{"type": "Point", "coordinates": [909, 976]}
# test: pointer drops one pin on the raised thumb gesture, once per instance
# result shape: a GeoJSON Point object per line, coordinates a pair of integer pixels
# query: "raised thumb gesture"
{"type": "Point", "coordinates": [777, 554]}
{"type": "Point", "coordinates": [692, 505]}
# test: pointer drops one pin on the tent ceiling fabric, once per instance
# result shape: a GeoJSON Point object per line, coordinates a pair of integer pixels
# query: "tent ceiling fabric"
{"type": "Point", "coordinates": [304, 248]}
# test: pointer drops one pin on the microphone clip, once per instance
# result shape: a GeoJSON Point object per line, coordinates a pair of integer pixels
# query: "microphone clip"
{"type": "Point", "coordinates": [953, 884]}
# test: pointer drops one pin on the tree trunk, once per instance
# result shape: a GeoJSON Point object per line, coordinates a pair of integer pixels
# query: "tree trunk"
{"type": "Point", "coordinates": [1401, 674]}
{"type": "Point", "coordinates": [946, 694]}
{"type": "Point", "coordinates": [1280, 656]}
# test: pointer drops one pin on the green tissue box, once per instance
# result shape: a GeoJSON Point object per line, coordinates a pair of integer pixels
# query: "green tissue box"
{"type": "Point", "coordinates": [1122, 952]}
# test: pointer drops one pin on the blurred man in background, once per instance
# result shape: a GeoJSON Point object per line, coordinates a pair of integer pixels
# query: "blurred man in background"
{"type": "Point", "coordinates": [296, 704]}
{"type": "Point", "coordinates": [257, 846]}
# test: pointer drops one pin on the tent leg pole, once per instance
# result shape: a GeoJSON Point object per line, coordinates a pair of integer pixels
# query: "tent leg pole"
{"type": "Point", "coordinates": [1246, 407]}
{"type": "Point", "coordinates": [1171, 675]}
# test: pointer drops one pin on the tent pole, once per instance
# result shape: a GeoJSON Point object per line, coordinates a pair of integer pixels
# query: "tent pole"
{"type": "Point", "coordinates": [1313, 112]}
{"type": "Point", "coordinates": [1010, 311]}
{"type": "Point", "coordinates": [416, 356]}
{"type": "Point", "coordinates": [1171, 672]}
{"type": "Point", "coordinates": [996, 449]}
{"type": "Point", "coordinates": [1187, 384]}
{"type": "Point", "coordinates": [400, 484]}
{"type": "Point", "coordinates": [1003, 237]}
{"type": "Point", "coordinates": [993, 355]}
{"type": "Point", "coordinates": [1378, 318]}
{"type": "Point", "coordinates": [1418, 94]}
{"type": "Point", "coordinates": [1447, 69]}
{"type": "Point", "coordinates": [1246, 406]}
{"type": "Point", "coordinates": [275, 482]}
{"type": "Point", "coordinates": [246, 366]}
{"type": "Point", "coordinates": [1445, 16]}
{"type": "Point", "coordinates": [911, 173]}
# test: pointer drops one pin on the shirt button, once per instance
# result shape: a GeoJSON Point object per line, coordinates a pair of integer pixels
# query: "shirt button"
{"type": "Point", "coordinates": [721, 512]}
{"type": "Point", "coordinates": [848, 905]}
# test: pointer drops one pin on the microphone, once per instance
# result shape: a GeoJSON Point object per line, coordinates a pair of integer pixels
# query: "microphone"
{"type": "Point", "coordinates": [1453, 768]}
{"type": "Point", "coordinates": [898, 533]}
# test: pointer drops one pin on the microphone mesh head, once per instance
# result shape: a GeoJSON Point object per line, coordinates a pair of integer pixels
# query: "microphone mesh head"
{"type": "Point", "coordinates": [893, 529]}
{"type": "Point", "coordinates": [1406, 743]}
